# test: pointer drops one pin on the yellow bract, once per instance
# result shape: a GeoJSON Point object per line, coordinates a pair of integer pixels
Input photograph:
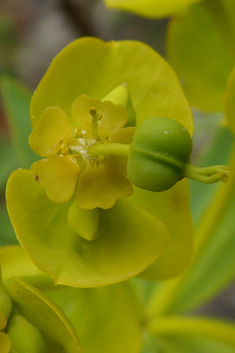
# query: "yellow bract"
{"type": "Point", "coordinates": [50, 132]}
{"type": "Point", "coordinates": [150, 8]}
{"type": "Point", "coordinates": [101, 187]}
{"type": "Point", "coordinates": [58, 175]}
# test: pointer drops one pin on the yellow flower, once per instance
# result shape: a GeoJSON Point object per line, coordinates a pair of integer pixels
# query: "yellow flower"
{"type": "Point", "coordinates": [68, 165]}
{"type": "Point", "coordinates": [75, 221]}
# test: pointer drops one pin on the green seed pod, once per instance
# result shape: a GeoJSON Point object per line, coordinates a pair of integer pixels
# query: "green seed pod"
{"type": "Point", "coordinates": [160, 149]}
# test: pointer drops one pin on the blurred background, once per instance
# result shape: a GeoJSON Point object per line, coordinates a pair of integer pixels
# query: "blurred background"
{"type": "Point", "coordinates": [32, 32]}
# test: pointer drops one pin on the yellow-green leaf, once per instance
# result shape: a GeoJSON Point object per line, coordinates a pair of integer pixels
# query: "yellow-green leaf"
{"type": "Point", "coordinates": [201, 50]}
{"type": "Point", "coordinates": [106, 318]}
{"type": "Point", "coordinates": [229, 101]}
{"type": "Point", "coordinates": [212, 329]}
{"type": "Point", "coordinates": [41, 312]}
{"type": "Point", "coordinates": [150, 8]}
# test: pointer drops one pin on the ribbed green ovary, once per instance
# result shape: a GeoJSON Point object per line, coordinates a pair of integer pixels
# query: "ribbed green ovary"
{"type": "Point", "coordinates": [158, 154]}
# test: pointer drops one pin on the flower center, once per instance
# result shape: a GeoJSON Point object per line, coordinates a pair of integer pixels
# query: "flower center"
{"type": "Point", "coordinates": [80, 141]}
{"type": "Point", "coordinates": [78, 147]}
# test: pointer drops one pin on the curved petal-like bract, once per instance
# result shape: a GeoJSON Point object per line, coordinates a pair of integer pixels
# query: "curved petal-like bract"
{"type": "Point", "coordinates": [153, 85]}
{"type": "Point", "coordinates": [130, 238]}
{"type": "Point", "coordinates": [150, 8]}
{"type": "Point", "coordinates": [172, 208]}
{"type": "Point", "coordinates": [41, 325]}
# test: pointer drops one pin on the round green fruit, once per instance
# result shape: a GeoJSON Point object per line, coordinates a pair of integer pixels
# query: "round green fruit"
{"type": "Point", "coordinates": [160, 149]}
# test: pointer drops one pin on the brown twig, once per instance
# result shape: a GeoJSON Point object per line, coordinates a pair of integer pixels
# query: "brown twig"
{"type": "Point", "coordinates": [79, 15]}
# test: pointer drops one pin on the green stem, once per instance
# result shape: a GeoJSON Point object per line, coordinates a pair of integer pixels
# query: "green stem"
{"type": "Point", "coordinates": [164, 297]}
{"type": "Point", "coordinates": [109, 149]}
{"type": "Point", "coordinates": [213, 329]}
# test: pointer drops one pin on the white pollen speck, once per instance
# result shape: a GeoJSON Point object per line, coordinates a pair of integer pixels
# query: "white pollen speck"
{"type": "Point", "coordinates": [82, 146]}
{"type": "Point", "coordinates": [165, 132]}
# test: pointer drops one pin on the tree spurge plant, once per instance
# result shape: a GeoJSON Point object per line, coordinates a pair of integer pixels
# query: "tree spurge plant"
{"type": "Point", "coordinates": [106, 261]}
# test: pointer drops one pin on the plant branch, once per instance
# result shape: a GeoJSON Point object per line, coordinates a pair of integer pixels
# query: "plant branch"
{"type": "Point", "coordinates": [79, 17]}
